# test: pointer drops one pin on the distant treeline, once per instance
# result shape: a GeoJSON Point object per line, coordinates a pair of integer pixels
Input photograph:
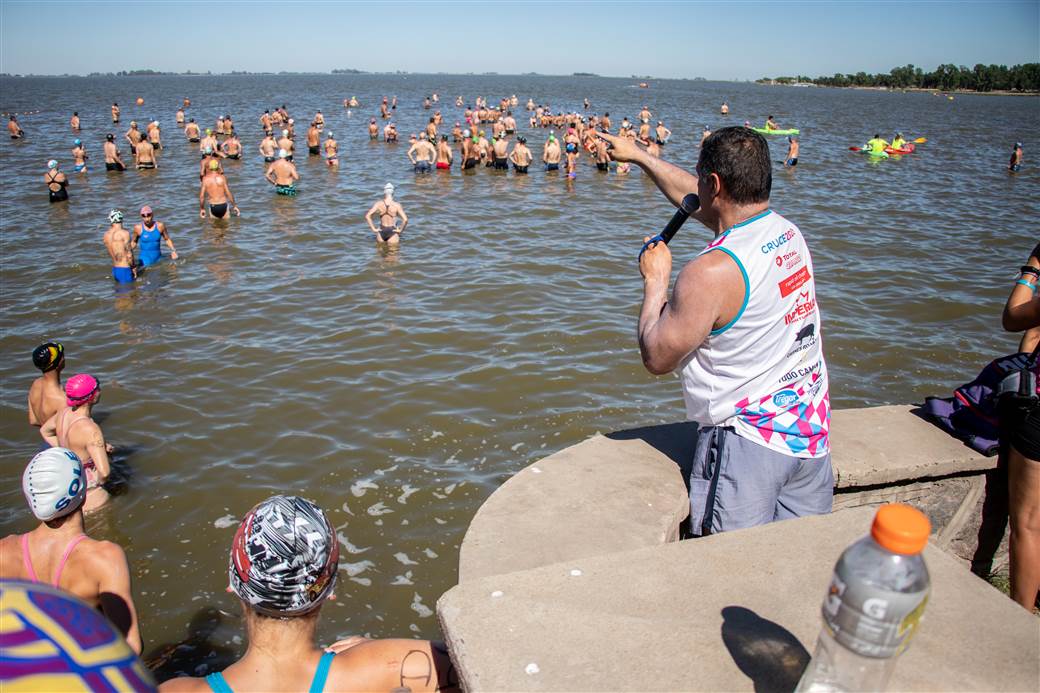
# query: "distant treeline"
{"type": "Point", "coordinates": [944, 78]}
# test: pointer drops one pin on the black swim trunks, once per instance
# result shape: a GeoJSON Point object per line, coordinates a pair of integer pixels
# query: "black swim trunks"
{"type": "Point", "coordinates": [234, 156]}
{"type": "Point", "coordinates": [502, 164]}
{"type": "Point", "coordinates": [114, 166]}
{"type": "Point", "coordinates": [552, 167]}
{"type": "Point", "coordinates": [470, 163]}
{"type": "Point", "coordinates": [157, 145]}
{"type": "Point", "coordinates": [313, 151]}
{"type": "Point", "coordinates": [193, 139]}
{"type": "Point", "coordinates": [218, 211]}
{"type": "Point", "coordinates": [422, 167]}
{"type": "Point", "coordinates": [519, 169]}
{"type": "Point", "coordinates": [602, 166]}
{"type": "Point", "coordinates": [268, 159]}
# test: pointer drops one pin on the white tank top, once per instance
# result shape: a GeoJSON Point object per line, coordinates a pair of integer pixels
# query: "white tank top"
{"type": "Point", "coordinates": [764, 373]}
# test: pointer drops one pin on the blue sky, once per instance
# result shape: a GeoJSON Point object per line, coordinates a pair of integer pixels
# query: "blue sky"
{"type": "Point", "coordinates": [716, 40]}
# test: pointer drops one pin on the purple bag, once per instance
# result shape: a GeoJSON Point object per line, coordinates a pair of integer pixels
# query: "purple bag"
{"type": "Point", "coordinates": [971, 414]}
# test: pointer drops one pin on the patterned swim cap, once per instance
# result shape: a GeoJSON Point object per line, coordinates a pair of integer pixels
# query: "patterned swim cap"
{"type": "Point", "coordinates": [284, 557]}
{"type": "Point", "coordinates": [48, 356]}
{"type": "Point", "coordinates": [115, 217]}
{"type": "Point", "coordinates": [55, 642]}
{"type": "Point", "coordinates": [54, 483]}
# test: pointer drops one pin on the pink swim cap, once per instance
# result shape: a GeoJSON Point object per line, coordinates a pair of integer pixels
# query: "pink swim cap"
{"type": "Point", "coordinates": [80, 388]}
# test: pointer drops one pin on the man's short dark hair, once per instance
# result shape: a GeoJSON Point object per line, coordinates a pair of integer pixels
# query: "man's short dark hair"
{"type": "Point", "coordinates": [740, 158]}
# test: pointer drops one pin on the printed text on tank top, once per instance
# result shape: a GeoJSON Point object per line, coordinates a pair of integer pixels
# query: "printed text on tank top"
{"type": "Point", "coordinates": [27, 558]}
{"type": "Point", "coordinates": [763, 373]}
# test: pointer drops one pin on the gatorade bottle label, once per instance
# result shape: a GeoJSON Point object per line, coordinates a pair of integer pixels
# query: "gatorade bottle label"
{"type": "Point", "coordinates": [870, 621]}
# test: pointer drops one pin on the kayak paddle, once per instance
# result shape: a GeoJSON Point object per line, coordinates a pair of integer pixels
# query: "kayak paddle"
{"type": "Point", "coordinates": [920, 140]}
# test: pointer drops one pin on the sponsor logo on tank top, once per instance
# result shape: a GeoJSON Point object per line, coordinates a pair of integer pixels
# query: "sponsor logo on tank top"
{"type": "Point", "coordinates": [805, 305]}
{"type": "Point", "coordinates": [774, 245]}
{"type": "Point", "coordinates": [793, 282]}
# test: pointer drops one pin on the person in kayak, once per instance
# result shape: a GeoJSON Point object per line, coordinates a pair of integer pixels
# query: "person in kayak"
{"type": "Point", "coordinates": [771, 124]}
{"type": "Point", "coordinates": [1016, 158]}
{"type": "Point", "coordinates": [876, 145]}
{"type": "Point", "coordinates": [792, 153]}
{"type": "Point", "coordinates": [898, 142]}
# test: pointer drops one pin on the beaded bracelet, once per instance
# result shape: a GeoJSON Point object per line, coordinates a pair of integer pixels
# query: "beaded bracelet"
{"type": "Point", "coordinates": [1031, 285]}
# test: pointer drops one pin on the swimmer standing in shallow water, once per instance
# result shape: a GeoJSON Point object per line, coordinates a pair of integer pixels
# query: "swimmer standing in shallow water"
{"type": "Point", "coordinates": [118, 245]}
{"type": "Point", "coordinates": [215, 187]}
{"type": "Point", "coordinates": [388, 210]}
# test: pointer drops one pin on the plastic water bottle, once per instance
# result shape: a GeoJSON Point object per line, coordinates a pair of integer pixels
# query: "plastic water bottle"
{"type": "Point", "coordinates": [873, 606]}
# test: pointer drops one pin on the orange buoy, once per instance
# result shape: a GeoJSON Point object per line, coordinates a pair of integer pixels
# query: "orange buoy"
{"type": "Point", "coordinates": [140, 101]}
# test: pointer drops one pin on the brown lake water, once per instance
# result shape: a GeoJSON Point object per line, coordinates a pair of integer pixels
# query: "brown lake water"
{"type": "Point", "coordinates": [284, 353]}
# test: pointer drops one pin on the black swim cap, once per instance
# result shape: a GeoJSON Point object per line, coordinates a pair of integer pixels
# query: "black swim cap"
{"type": "Point", "coordinates": [48, 356]}
{"type": "Point", "coordinates": [110, 137]}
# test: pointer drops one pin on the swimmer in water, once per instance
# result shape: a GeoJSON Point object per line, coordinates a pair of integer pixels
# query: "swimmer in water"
{"type": "Point", "coordinates": [286, 144]}
{"type": "Point", "coordinates": [74, 121]}
{"type": "Point", "coordinates": [662, 133]}
{"type": "Point", "coordinates": [725, 108]}
{"type": "Point", "coordinates": [154, 135]}
{"type": "Point", "coordinates": [704, 135]}
{"type": "Point", "coordinates": [470, 151]}
{"type": "Point", "coordinates": [390, 133]}
{"type": "Point", "coordinates": [86, 441]}
{"type": "Point", "coordinates": [115, 112]}
{"type": "Point", "coordinates": [133, 135]}
{"type": "Point", "coordinates": [444, 155]}
{"type": "Point", "coordinates": [792, 153]}
{"type": "Point", "coordinates": [191, 131]}
{"type": "Point", "coordinates": [551, 154]}
{"type": "Point", "coordinates": [373, 129]}
{"type": "Point", "coordinates": [56, 181]}
{"type": "Point", "coordinates": [521, 156]}
{"type": "Point", "coordinates": [209, 142]}
{"type": "Point", "coordinates": [388, 211]}
{"type": "Point", "coordinates": [1015, 164]}
{"type": "Point", "coordinates": [283, 573]}
{"type": "Point", "coordinates": [282, 175]}
{"type": "Point", "coordinates": [422, 154]}
{"type": "Point", "coordinates": [500, 152]}
{"type": "Point", "coordinates": [46, 394]}
{"type": "Point", "coordinates": [79, 157]}
{"type": "Point", "coordinates": [602, 155]}
{"type": "Point", "coordinates": [313, 139]}
{"type": "Point", "coordinates": [232, 146]}
{"type": "Point", "coordinates": [149, 238]}
{"type": "Point", "coordinates": [179, 117]}
{"type": "Point", "coordinates": [268, 148]}
{"type": "Point", "coordinates": [113, 162]}
{"type": "Point", "coordinates": [214, 186]}
{"type": "Point", "coordinates": [14, 129]}
{"type": "Point", "coordinates": [119, 247]}
{"type": "Point", "coordinates": [144, 155]}
{"type": "Point", "coordinates": [331, 147]}
{"type": "Point", "coordinates": [58, 551]}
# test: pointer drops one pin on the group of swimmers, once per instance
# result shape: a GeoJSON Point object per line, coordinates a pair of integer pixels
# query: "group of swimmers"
{"type": "Point", "coordinates": [283, 566]}
{"type": "Point", "coordinates": [429, 150]}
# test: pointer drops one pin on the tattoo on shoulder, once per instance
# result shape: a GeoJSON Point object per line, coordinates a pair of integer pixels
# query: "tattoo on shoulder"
{"type": "Point", "coordinates": [98, 440]}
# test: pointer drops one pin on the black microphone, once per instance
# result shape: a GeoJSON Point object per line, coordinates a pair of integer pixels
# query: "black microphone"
{"type": "Point", "coordinates": [689, 205]}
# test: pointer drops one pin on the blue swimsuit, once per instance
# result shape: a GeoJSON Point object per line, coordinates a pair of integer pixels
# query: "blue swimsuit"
{"type": "Point", "coordinates": [149, 242]}
{"type": "Point", "coordinates": [219, 685]}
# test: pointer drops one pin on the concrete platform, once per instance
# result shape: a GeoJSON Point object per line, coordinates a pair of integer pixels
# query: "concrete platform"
{"type": "Point", "coordinates": [735, 611]}
{"type": "Point", "coordinates": [891, 444]}
{"type": "Point", "coordinates": [626, 490]}
{"type": "Point", "coordinates": [599, 496]}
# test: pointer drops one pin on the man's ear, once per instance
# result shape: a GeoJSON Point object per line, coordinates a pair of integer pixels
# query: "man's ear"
{"type": "Point", "coordinates": [715, 184]}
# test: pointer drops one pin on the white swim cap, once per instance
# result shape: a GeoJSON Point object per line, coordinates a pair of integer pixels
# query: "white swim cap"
{"type": "Point", "coordinates": [115, 217]}
{"type": "Point", "coordinates": [54, 483]}
{"type": "Point", "coordinates": [282, 154]}
{"type": "Point", "coordinates": [388, 189]}
{"type": "Point", "coordinates": [285, 133]}
{"type": "Point", "coordinates": [53, 163]}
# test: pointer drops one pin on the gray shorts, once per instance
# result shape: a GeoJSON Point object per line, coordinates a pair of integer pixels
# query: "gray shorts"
{"type": "Point", "coordinates": [737, 483]}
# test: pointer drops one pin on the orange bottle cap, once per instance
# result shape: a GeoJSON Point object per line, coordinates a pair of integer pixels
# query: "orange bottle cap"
{"type": "Point", "coordinates": [901, 528]}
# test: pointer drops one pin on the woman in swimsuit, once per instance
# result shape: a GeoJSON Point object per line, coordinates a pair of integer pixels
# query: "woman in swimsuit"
{"type": "Point", "coordinates": [73, 428]}
{"type": "Point", "coordinates": [283, 566]}
{"type": "Point", "coordinates": [56, 182]}
{"type": "Point", "coordinates": [59, 553]}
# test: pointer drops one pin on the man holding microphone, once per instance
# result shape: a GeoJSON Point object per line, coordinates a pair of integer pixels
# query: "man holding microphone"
{"type": "Point", "coordinates": [743, 328]}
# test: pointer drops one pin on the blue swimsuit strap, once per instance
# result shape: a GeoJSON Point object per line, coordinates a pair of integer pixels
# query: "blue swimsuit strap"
{"type": "Point", "coordinates": [217, 683]}
{"type": "Point", "coordinates": [322, 672]}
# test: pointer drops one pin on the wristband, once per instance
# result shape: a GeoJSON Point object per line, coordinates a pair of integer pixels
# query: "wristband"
{"type": "Point", "coordinates": [1031, 285]}
{"type": "Point", "coordinates": [1029, 269]}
